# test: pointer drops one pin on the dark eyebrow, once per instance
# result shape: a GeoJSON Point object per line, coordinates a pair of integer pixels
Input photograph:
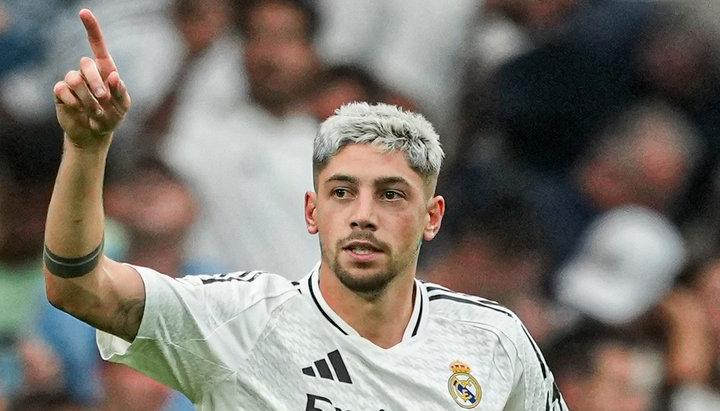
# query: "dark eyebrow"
{"type": "Point", "coordinates": [384, 181]}
{"type": "Point", "coordinates": [342, 177]}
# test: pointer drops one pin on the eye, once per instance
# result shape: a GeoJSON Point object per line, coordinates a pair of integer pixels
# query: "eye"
{"type": "Point", "coordinates": [391, 195]}
{"type": "Point", "coordinates": [340, 193]}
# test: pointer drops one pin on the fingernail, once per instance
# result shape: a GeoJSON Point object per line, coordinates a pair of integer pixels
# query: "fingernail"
{"type": "Point", "coordinates": [98, 111]}
{"type": "Point", "coordinates": [99, 92]}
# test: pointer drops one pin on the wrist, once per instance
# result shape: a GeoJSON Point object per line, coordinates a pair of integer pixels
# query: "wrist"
{"type": "Point", "coordinates": [95, 149]}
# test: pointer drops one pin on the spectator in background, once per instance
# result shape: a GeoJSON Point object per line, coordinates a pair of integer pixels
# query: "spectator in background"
{"type": "Point", "coordinates": [628, 261]}
{"type": "Point", "coordinates": [44, 352]}
{"type": "Point", "coordinates": [199, 62]}
{"type": "Point", "coordinates": [128, 390]}
{"type": "Point", "coordinates": [620, 252]}
{"type": "Point", "coordinates": [342, 84]}
{"type": "Point", "coordinates": [155, 209]}
{"type": "Point", "coordinates": [691, 331]}
{"type": "Point", "coordinates": [42, 382]}
{"type": "Point", "coordinates": [207, 45]}
{"type": "Point", "coordinates": [600, 369]}
{"type": "Point", "coordinates": [641, 158]}
{"type": "Point", "coordinates": [47, 402]}
{"type": "Point", "coordinates": [606, 220]}
{"type": "Point", "coordinates": [679, 61]}
{"type": "Point", "coordinates": [494, 245]}
{"type": "Point", "coordinates": [540, 18]}
{"type": "Point", "coordinates": [503, 31]}
{"type": "Point", "coordinates": [26, 33]}
{"type": "Point", "coordinates": [258, 156]}
{"type": "Point", "coordinates": [586, 61]}
{"type": "Point", "coordinates": [280, 57]}
{"type": "Point", "coordinates": [23, 201]}
{"type": "Point", "coordinates": [546, 104]}
{"type": "Point", "coordinates": [412, 46]}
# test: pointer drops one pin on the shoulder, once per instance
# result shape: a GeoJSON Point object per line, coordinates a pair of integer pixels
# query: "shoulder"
{"type": "Point", "coordinates": [483, 314]}
{"type": "Point", "coordinates": [262, 281]}
{"type": "Point", "coordinates": [447, 304]}
{"type": "Point", "coordinates": [238, 289]}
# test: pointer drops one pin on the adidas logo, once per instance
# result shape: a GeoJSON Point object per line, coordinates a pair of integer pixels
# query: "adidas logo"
{"type": "Point", "coordinates": [322, 369]}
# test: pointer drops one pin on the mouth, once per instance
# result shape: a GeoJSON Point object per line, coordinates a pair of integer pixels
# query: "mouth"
{"type": "Point", "coordinates": [362, 251]}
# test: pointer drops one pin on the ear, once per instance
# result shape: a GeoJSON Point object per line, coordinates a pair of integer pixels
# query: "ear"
{"type": "Point", "coordinates": [311, 212]}
{"type": "Point", "coordinates": [436, 211]}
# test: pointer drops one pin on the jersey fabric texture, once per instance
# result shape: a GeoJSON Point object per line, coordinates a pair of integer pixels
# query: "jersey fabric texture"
{"type": "Point", "coordinates": [256, 341]}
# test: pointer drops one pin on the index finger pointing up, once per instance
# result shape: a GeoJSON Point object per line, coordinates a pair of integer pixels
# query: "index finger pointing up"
{"type": "Point", "coordinates": [104, 60]}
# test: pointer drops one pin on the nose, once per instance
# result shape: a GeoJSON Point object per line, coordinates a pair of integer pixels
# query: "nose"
{"type": "Point", "coordinates": [363, 214]}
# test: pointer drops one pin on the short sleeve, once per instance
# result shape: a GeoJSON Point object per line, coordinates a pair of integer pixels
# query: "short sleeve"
{"type": "Point", "coordinates": [197, 330]}
{"type": "Point", "coordinates": [534, 387]}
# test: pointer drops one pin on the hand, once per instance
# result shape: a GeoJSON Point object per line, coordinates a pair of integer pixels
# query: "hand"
{"type": "Point", "coordinates": [91, 102]}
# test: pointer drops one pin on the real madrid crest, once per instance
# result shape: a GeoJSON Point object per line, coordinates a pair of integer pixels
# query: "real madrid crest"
{"type": "Point", "coordinates": [463, 387]}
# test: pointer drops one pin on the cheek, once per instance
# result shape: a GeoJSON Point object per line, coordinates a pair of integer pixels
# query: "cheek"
{"type": "Point", "coordinates": [408, 230]}
{"type": "Point", "coordinates": [330, 225]}
{"type": "Point", "coordinates": [295, 62]}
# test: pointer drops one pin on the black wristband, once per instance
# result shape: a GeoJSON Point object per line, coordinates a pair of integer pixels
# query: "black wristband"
{"type": "Point", "coordinates": [72, 267]}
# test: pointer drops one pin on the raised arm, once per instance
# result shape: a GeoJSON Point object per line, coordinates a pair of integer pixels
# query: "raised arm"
{"type": "Point", "coordinates": [90, 103]}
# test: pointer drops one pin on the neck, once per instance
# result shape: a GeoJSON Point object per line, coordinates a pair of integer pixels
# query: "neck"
{"type": "Point", "coordinates": [382, 318]}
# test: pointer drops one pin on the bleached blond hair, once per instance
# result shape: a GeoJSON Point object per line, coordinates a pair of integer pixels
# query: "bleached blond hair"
{"type": "Point", "coordinates": [385, 126]}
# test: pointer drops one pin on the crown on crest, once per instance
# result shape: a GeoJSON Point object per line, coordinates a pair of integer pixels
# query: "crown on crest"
{"type": "Point", "coordinates": [459, 368]}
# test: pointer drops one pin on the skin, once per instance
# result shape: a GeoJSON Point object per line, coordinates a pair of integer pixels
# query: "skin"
{"type": "Point", "coordinates": [279, 57]}
{"type": "Point", "coordinates": [614, 386]}
{"type": "Point", "coordinates": [364, 198]}
{"type": "Point", "coordinates": [90, 103]}
{"type": "Point", "coordinates": [371, 199]}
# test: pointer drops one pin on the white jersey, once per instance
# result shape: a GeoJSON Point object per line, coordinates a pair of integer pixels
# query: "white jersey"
{"type": "Point", "coordinates": [256, 341]}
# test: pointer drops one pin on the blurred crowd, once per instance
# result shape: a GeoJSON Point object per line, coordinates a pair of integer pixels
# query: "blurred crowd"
{"type": "Point", "coordinates": [582, 171]}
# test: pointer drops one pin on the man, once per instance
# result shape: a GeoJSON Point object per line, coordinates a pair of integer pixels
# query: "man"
{"type": "Point", "coordinates": [359, 332]}
{"type": "Point", "coordinates": [601, 369]}
{"type": "Point", "coordinates": [260, 146]}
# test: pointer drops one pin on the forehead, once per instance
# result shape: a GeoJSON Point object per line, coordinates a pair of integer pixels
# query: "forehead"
{"type": "Point", "coordinates": [265, 18]}
{"type": "Point", "coordinates": [369, 163]}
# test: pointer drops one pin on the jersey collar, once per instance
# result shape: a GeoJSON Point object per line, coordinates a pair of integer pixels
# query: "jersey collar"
{"type": "Point", "coordinates": [310, 287]}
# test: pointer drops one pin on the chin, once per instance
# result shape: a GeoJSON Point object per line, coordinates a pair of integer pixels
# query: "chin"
{"type": "Point", "coordinates": [364, 280]}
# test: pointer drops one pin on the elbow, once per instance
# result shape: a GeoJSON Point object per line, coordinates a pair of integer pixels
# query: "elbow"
{"type": "Point", "coordinates": [61, 293]}
{"type": "Point", "coordinates": [75, 296]}
{"type": "Point", "coordinates": [53, 291]}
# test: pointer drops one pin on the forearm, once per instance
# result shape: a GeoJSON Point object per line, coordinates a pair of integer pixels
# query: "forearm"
{"type": "Point", "coordinates": [75, 225]}
{"type": "Point", "coordinates": [75, 220]}
{"type": "Point", "coordinates": [90, 104]}
{"type": "Point", "coordinates": [110, 296]}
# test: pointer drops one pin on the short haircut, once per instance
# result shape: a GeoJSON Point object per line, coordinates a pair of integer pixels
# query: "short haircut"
{"type": "Point", "coordinates": [385, 126]}
{"type": "Point", "coordinates": [616, 139]}
{"type": "Point", "coordinates": [351, 73]}
{"type": "Point", "coordinates": [575, 354]}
